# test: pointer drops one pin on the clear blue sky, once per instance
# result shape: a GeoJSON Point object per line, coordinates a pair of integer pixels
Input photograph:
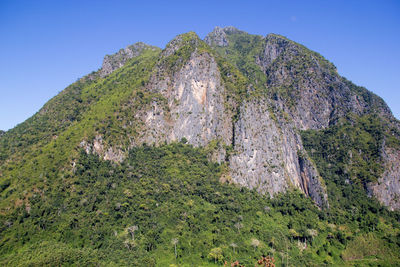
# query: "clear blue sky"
{"type": "Point", "coordinates": [47, 45]}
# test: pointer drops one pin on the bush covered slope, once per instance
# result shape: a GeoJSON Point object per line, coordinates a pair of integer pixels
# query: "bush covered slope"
{"type": "Point", "coordinates": [128, 214]}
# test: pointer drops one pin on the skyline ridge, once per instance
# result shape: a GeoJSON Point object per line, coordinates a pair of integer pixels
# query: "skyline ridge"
{"type": "Point", "coordinates": [47, 46]}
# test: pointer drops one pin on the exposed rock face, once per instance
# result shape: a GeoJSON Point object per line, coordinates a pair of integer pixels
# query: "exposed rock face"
{"type": "Point", "coordinates": [306, 89]}
{"type": "Point", "coordinates": [302, 91]}
{"type": "Point", "coordinates": [97, 147]}
{"type": "Point", "coordinates": [321, 98]}
{"type": "Point", "coordinates": [274, 47]}
{"type": "Point", "coordinates": [267, 155]}
{"type": "Point", "coordinates": [217, 37]}
{"type": "Point", "coordinates": [117, 60]}
{"type": "Point", "coordinates": [193, 107]}
{"type": "Point", "coordinates": [318, 95]}
{"type": "Point", "coordinates": [260, 159]}
{"type": "Point", "coordinates": [387, 190]}
{"type": "Point", "coordinates": [313, 184]}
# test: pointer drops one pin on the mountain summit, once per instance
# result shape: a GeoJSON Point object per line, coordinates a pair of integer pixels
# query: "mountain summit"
{"type": "Point", "coordinates": [274, 116]}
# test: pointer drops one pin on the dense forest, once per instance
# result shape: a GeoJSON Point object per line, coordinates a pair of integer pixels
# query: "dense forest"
{"type": "Point", "coordinates": [166, 205]}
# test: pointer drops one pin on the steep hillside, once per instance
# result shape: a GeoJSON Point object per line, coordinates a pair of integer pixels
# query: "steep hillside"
{"type": "Point", "coordinates": [188, 144]}
{"type": "Point", "coordinates": [135, 212]}
{"type": "Point", "coordinates": [302, 91]}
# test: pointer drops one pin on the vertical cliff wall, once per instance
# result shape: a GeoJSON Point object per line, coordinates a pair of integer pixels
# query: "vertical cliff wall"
{"type": "Point", "coordinates": [248, 97]}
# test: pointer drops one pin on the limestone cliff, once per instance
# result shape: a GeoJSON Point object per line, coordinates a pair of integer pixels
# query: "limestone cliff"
{"type": "Point", "coordinates": [304, 91]}
{"type": "Point", "coordinates": [195, 106]}
{"type": "Point", "coordinates": [285, 89]}
{"type": "Point", "coordinates": [268, 155]}
{"type": "Point", "coordinates": [308, 87]}
{"type": "Point", "coordinates": [193, 101]}
{"type": "Point", "coordinates": [387, 189]}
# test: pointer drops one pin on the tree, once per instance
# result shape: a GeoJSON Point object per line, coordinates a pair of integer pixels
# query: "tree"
{"type": "Point", "coordinates": [216, 255]}
{"type": "Point", "coordinates": [175, 241]}
{"type": "Point", "coordinates": [238, 226]}
{"type": "Point", "coordinates": [312, 232]}
{"type": "Point", "coordinates": [255, 243]}
{"type": "Point", "coordinates": [233, 245]}
{"type": "Point", "coordinates": [293, 234]}
{"type": "Point", "coordinates": [266, 261]}
{"type": "Point", "coordinates": [132, 230]}
{"type": "Point", "coordinates": [129, 244]}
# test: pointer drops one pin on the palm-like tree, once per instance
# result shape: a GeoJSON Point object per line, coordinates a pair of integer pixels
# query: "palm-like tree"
{"type": "Point", "coordinates": [255, 243]}
{"type": "Point", "coordinates": [238, 226]}
{"type": "Point", "coordinates": [132, 230]}
{"type": "Point", "coordinates": [233, 245]}
{"type": "Point", "coordinates": [175, 241]}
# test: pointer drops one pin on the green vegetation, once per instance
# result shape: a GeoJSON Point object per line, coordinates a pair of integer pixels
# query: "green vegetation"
{"type": "Point", "coordinates": [56, 116]}
{"type": "Point", "coordinates": [167, 199]}
{"type": "Point", "coordinates": [375, 103]}
{"type": "Point", "coordinates": [105, 112]}
{"type": "Point", "coordinates": [167, 205]}
{"type": "Point", "coordinates": [348, 157]}
{"type": "Point", "coordinates": [183, 46]}
{"type": "Point", "coordinates": [351, 149]}
{"type": "Point", "coordinates": [242, 53]}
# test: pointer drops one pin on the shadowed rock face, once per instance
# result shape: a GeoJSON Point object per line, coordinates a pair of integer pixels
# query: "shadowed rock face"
{"type": "Point", "coordinates": [387, 189]}
{"type": "Point", "coordinates": [267, 155]}
{"type": "Point", "coordinates": [319, 96]}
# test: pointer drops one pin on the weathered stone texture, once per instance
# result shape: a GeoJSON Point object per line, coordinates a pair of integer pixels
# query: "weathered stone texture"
{"type": "Point", "coordinates": [387, 189]}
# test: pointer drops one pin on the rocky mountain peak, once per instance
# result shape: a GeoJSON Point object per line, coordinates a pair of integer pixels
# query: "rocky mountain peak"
{"type": "Point", "coordinates": [117, 60]}
{"type": "Point", "coordinates": [232, 30]}
{"type": "Point", "coordinates": [219, 36]}
{"type": "Point", "coordinates": [188, 129]}
{"type": "Point", "coordinates": [190, 39]}
{"type": "Point", "coordinates": [275, 45]}
{"type": "Point", "coordinates": [247, 96]}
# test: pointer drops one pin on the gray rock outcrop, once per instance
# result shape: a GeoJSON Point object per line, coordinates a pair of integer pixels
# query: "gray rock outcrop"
{"type": "Point", "coordinates": [387, 189]}
{"type": "Point", "coordinates": [267, 155]}
{"type": "Point", "coordinates": [217, 37]}
{"type": "Point", "coordinates": [118, 60]}
{"type": "Point", "coordinates": [265, 151]}
{"type": "Point", "coordinates": [193, 106]}
{"type": "Point", "coordinates": [257, 136]}
{"type": "Point", "coordinates": [316, 96]}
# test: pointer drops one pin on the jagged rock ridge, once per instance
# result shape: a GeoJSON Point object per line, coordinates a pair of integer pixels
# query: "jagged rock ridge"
{"type": "Point", "coordinates": [118, 60]}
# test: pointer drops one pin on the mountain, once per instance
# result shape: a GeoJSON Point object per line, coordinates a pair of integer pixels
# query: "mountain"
{"type": "Point", "coordinates": [231, 147]}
